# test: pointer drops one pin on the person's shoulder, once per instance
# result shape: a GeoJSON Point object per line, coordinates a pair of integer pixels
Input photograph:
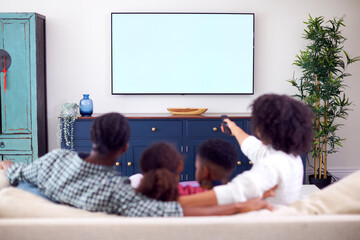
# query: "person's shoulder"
{"type": "Point", "coordinates": [58, 153]}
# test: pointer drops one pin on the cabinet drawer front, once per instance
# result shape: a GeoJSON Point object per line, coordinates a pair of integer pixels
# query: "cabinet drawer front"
{"type": "Point", "coordinates": [15, 144]}
{"type": "Point", "coordinates": [82, 128]}
{"type": "Point", "coordinates": [207, 128]}
{"type": "Point", "coordinates": [158, 128]}
{"type": "Point", "coordinates": [18, 158]}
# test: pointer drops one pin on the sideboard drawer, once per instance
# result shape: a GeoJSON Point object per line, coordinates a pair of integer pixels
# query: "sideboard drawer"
{"type": "Point", "coordinates": [18, 158]}
{"type": "Point", "coordinates": [12, 144]}
{"type": "Point", "coordinates": [82, 128]}
{"type": "Point", "coordinates": [160, 128]}
{"type": "Point", "coordinates": [208, 128]}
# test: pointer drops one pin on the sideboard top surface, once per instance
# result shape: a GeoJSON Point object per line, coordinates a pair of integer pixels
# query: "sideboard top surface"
{"type": "Point", "coordinates": [175, 116]}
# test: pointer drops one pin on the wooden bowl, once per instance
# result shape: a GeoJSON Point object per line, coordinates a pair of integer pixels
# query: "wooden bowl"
{"type": "Point", "coordinates": [193, 111]}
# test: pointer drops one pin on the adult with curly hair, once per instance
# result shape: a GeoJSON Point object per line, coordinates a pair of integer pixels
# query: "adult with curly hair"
{"type": "Point", "coordinates": [284, 129]}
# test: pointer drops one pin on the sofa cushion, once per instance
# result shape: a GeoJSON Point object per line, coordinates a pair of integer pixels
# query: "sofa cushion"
{"type": "Point", "coordinates": [17, 203]}
{"type": "Point", "coordinates": [342, 197]}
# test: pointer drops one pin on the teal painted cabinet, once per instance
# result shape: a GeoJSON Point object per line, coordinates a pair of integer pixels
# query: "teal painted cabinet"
{"type": "Point", "coordinates": [23, 135]}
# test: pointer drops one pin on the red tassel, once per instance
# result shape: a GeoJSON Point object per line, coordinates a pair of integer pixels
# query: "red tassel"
{"type": "Point", "coordinates": [4, 80]}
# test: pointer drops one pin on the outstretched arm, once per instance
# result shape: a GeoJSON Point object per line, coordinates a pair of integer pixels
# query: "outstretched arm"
{"type": "Point", "coordinates": [228, 209]}
{"type": "Point", "coordinates": [204, 199]}
{"type": "Point", "coordinates": [208, 198]}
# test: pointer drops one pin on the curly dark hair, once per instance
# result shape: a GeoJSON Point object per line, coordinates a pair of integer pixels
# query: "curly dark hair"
{"type": "Point", "coordinates": [219, 152]}
{"type": "Point", "coordinates": [283, 122]}
{"type": "Point", "coordinates": [109, 132]}
{"type": "Point", "coordinates": [159, 164]}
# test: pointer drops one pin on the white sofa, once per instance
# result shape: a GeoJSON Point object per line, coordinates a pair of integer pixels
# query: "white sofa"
{"type": "Point", "coordinates": [332, 213]}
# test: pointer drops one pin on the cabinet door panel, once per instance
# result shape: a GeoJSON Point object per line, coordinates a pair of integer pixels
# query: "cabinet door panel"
{"type": "Point", "coordinates": [15, 101]}
{"type": "Point", "coordinates": [136, 148]}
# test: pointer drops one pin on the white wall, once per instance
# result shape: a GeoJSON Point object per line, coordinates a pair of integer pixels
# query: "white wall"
{"type": "Point", "coordinates": [78, 55]}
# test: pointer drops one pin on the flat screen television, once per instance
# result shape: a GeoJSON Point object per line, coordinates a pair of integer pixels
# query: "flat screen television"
{"type": "Point", "coordinates": [182, 53]}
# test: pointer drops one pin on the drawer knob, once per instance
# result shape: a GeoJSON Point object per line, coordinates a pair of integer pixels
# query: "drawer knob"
{"type": "Point", "coordinates": [239, 163]}
{"type": "Point", "coordinates": [129, 164]}
{"type": "Point", "coordinates": [250, 162]}
{"type": "Point", "coordinates": [117, 164]}
{"type": "Point", "coordinates": [215, 129]}
{"type": "Point", "coordinates": [2, 144]}
{"type": "Point", "coordinates": [153, 129]}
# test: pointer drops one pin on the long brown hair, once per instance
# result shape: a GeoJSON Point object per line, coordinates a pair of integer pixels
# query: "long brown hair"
{"type": "Point", "coordinates": [159, 164]}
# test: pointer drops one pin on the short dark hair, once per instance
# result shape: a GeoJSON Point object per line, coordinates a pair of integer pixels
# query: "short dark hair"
{"type": "Point", "coordinates": [283, 122]}
{"type": "Point", "coordinates": [219, 152]}
{"type": "Point", "coordinates": [159, 164]}
{"type": "Point", "coordinates": [108, 132]}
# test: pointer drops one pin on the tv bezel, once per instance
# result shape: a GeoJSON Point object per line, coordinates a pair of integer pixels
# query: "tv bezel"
{"type": "Point", "coordinates": [227, 13]}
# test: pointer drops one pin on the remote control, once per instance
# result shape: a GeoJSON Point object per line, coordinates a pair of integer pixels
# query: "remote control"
{"type": "Point", "coordinates": [227, 130]}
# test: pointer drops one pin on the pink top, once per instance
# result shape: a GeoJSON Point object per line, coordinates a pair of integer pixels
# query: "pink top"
{"type": "Point", "coordinates": [188, 188]}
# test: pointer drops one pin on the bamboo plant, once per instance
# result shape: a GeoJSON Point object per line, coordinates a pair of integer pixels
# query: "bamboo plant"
{"type": "Point", "coordinates": [321, 86]}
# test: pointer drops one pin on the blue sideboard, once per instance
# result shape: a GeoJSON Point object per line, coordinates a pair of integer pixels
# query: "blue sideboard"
{"type": "Point", "coordinates": [185, 131]}
{"type": "Point", "coordinates": [23, 133]}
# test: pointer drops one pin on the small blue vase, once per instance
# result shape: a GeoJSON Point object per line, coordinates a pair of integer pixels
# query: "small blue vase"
{"type": "Point", "coordinates": [86, 106]}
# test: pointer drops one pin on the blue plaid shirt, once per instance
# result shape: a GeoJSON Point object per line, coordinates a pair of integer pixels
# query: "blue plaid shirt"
{"type": "Point", "coordinates": [65, 177]}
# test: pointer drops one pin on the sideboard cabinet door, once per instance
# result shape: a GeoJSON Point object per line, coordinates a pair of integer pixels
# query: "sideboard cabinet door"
{"type": "Point", "coordinates": [15, 101]}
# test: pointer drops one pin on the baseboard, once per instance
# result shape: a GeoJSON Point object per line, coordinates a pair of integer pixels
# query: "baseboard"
{"type": "Point", "coordinates": [339, 173]}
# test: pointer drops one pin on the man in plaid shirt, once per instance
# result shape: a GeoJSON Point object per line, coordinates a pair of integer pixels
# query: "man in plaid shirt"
{"type": "Point", "coordinates": [90, 181]}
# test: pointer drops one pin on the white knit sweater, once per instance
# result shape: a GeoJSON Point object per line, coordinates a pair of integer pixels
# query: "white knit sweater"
{"type": "Point", "coordinates": [270, 168]}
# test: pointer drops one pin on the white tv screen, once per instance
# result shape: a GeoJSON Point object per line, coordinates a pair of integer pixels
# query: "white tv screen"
{"type": "Point", "coordinates": [182, 53]}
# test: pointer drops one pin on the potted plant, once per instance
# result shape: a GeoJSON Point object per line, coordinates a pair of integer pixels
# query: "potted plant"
{"type": "Point", "coordinates": [321, 87]}
{"type": "Point", "coordinates": [67, 114]}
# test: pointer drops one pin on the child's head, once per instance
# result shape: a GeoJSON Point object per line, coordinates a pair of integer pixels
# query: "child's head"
{"type": "Point", "coordinates": [109, 132]}
{"type": "Point", "coordinates": [283, 122]}
{"type": "Point", "coordinates": [215, 161]}
{"type": "Point", "coordinates": [160, 164]}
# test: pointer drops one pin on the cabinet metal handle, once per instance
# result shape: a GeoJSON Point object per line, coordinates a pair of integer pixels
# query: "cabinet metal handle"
{"type": "Point", "coordinates": [117, 164]}
{"type": "Point", "coordinates": [239, 163]}
{"type": "Point", "coordinates": [153, 129]}
{"type": "Point", "coordinates": [2, 144]}
{"type": "Point", "coordinates": [215, 129]}
{"type": "Point", "coordinates": [129, 164]}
